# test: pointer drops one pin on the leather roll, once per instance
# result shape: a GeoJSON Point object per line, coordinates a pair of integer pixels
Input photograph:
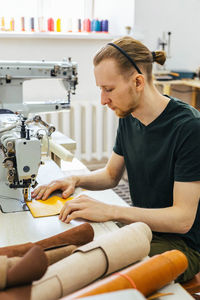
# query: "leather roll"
{"type": "Point", "coordinates": [57, 254]}
{"type": "Point", "coordinates": [24, 270]}
{"type": "Point", "coordinates": [30, 268]}
{"type": "Point", "coordinates": [52, 255]}
{"type": "Point", "coordinates": [78, 235]}
{"type": "Point", "coordinates": [103, 256]}
{"type": "Point", "coordinates": [147, 276]}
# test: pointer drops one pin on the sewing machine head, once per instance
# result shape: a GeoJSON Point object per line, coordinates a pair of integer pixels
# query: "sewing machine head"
{"type": "Point", "coordinates": [14, 73]}
{"type": "Point", "coordinates": [20, 154]}
{"type": "Point", "coordinates": [20, 140]}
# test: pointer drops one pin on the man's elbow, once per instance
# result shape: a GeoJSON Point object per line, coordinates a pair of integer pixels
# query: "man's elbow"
{"type": "Point", "coordinates": [114, 183]}
{"type": "Point", "coordinates": [114, 180]}
{"type": "Point", "coordinates": [184, 227]}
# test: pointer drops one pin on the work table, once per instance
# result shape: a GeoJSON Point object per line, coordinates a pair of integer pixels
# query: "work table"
{"type": "Point", "coordinates": [193, 83]}
{"type": "Point", "coordinates": [21, 227]}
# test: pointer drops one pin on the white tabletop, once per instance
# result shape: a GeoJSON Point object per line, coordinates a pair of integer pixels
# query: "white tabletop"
{"type": "Point", "coordinates": [21, 227]}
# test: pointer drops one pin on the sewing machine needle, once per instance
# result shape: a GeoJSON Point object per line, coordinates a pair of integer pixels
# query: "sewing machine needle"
{"type": "Point", "coordinates": [26, 193]}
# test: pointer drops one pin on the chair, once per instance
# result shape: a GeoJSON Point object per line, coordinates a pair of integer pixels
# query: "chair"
{"type": "Point", "coordinates": [193, 286]}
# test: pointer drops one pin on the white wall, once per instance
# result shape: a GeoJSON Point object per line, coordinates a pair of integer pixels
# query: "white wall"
{"type": "Point", "coordinates": [120, 14]}
{"type": "Point", "coordinates": [182, 18]}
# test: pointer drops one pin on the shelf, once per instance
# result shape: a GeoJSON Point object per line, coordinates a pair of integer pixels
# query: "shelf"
{"type": "Point", "coordinates": [61, 35]}
{"type": "Point", "coordinates": [57, 35]}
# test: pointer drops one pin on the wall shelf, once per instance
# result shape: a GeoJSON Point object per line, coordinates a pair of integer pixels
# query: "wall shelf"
{"type": "Point", "coordinates": [61, 35]}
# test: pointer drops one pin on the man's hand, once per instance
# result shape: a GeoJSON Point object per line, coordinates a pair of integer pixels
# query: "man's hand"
{"type": "Point", "coordinates": [67, 185]}
{"type": "Point", "coordinates": [87, 208]}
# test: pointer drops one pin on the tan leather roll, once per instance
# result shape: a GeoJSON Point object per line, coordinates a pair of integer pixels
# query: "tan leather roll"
{"type": "Point", "coordinates": [106, 254]}
{"type": "Point", "coordinates": [147, 276]}
{"type": "Point", "coordinates": [3, 271]}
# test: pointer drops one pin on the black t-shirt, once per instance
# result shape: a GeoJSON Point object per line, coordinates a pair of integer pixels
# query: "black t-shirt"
{"type": "Point", "coordinates": [166, 150]}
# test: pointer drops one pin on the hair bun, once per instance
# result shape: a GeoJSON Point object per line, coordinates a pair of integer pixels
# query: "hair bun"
{"type": "Point", "coordinates": [159, 57]}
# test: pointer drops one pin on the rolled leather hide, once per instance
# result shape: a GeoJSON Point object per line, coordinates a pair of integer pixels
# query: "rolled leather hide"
{"type": "Point", "coordinates": [23, 270]}
{"type": "Point", "coordinates": [78, 235]}
{"type": "Point", "coordinates": [147, 276]}
{"type": "Point", "coordinates": [53, 255]}
{"type": "Point", "coordinates": [16, 293]}
{"type": "Point", "coordinates": [105, 255]}
{"type": "Point", "coordinates": [57, 254]}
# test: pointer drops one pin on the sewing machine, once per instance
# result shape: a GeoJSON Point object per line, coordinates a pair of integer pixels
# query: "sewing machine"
{"type": "Point", "coordinates": [21, 138]}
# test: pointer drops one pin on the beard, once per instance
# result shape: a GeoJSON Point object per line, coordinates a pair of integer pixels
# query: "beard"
{"type": "Point", "coordinates": [124, 113]}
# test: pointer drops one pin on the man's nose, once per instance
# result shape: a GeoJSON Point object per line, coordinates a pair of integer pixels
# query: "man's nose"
{"type": "Point", "coordinates": [104, 98]}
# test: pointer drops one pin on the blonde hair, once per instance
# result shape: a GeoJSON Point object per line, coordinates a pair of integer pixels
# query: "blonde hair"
{"type": "Point", "coordinates": [137, 51]}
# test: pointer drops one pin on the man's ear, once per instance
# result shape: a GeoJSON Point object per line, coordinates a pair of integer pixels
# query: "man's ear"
{"type": "Point", "coordinates": [139, 82]}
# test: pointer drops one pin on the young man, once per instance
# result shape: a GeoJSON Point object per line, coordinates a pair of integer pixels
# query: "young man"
{"type": "Point", "coordinates": [158, 140]}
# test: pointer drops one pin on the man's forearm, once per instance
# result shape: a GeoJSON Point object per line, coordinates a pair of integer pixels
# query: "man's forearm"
{"type": "Point", "coordinates": [169, 219]}
{"type": "Point", "coordinates": [96, 180]}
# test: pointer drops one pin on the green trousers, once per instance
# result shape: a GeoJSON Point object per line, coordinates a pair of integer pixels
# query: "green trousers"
{"type": "Point", "coordinates": [167, 242]}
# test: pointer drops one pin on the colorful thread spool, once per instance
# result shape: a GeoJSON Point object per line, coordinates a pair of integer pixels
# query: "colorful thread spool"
{"type": "Point", "coordinates": [79, 25]}
{"type": "Point", "coordinates": [12, 24]}
{"type": "Point", "coordinates": [50, 24]}
{"type": "Point", "coordinates": [58, 25]}
{"type": "Point", "coordinates": [22, 24]}
{"type": "Point", "coordinates": [2, 23]}
{"type": "Point", "coordinates": [104, 25]}
{"type": "Point", "coordinates": [32, 24]}
{"type": "Point", "coordinates": [87, 25]}
{"type": "Point", "coordinates": [41, 25]}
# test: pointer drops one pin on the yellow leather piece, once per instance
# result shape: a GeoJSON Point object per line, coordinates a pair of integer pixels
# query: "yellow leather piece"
{"type": "Point", "coordinates": [44, 208]}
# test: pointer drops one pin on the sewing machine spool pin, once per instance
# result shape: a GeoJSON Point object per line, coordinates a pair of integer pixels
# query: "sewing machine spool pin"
{"type": "Point", "coordinates": [50, 128]}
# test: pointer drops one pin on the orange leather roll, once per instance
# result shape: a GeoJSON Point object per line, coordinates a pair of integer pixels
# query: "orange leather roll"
{"type": "Point", "coordinates": [147, 276]}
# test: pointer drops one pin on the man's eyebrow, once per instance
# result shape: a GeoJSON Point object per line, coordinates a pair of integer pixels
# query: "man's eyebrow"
{"type": "Point", "coordinates": [106, 85]}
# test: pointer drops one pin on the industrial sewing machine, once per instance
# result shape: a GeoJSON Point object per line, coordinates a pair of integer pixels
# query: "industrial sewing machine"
{"type": "Point", "coordinates": [21, 138]}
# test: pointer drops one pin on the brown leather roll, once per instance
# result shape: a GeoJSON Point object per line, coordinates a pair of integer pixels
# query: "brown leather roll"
{"type": "Point", "coordinates": [17, 293]}
{"type": "Point", "coordinates": [53, 255]}
{"type": "Point", "coordinates": [16, 250]}
{"type": "Point", "coordinates": [78, 235]}
{"type": "Point", "coordinates": [27, 269]}
{"type": "Point", "coordinates": [31, 267]}
{"type": "Point", "coordinates": [59, 253]}
{"type": "Point", "coordinates": [147, 276]}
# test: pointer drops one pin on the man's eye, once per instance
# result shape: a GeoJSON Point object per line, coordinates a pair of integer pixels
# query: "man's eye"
{"type": "Point", "coordinates": [108, 90]}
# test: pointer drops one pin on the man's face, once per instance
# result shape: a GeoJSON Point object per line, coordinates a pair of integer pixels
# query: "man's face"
{"type": "Point", "coordinates": [116, 91]}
